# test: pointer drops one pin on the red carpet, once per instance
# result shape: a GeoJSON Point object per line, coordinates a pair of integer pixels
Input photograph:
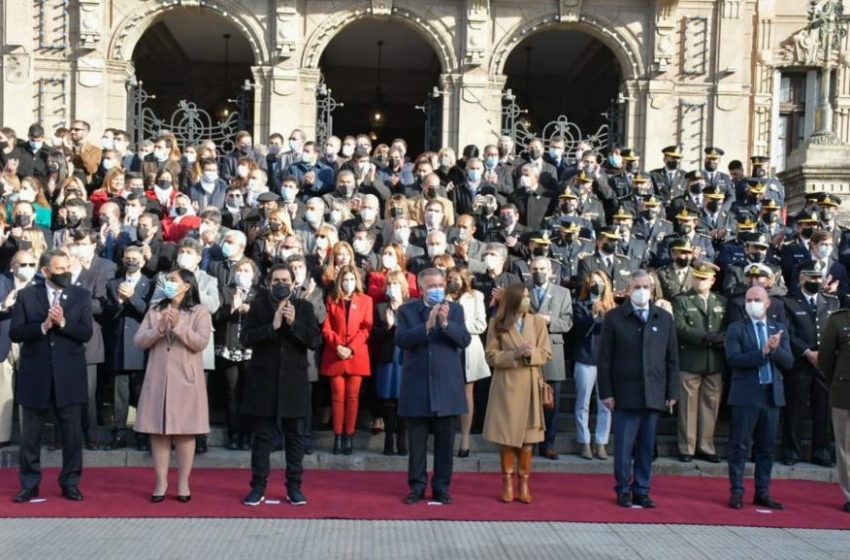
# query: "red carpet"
{"type": "Point", "coordinates": [123, 492]}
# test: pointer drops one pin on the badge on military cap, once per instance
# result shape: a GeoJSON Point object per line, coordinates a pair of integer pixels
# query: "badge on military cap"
{"type": "Point", "coordinates": [692, 176]}
{"type": "Point", "coordinates": [611, 232]}
{"type": "Point", "coordinates": [568, 194]}
{"type": "Point", "coordinates": [672, 151]}
{"type": "Point", "coordinates": [541, 238]}
{"type": "Point", "coordinates": [758, 270]}
{"type": "Point", "coordinates": [629, 154]}
{"type": "Point", "coordinates": [682, 244]}
{"type": "Point", "coordinates": [813, 272]}
{"type": "Point", "coordinates": [570, 224]}
{"type": "Point", "coordinates": [755, 186]}
{"type": "Point", "coordinates": [584, 178]}
{"type": "Point", "coordinates": [759, 160]}
{"type": "Point", "coordinates": [651, 201]}
{"type": "Point", "coordinates": [705, 269]}
{"type": "Point", "coordinates": [713, 192]}
{"type": "Point", "coordinates": [769, 204]}
{"type": "Point", "coordinates": [640, 179]}
{"type": "Point", "coordinates": [746, 224]}
{"type": "Point", "coordinates": [807, 218]}
{"type": "Point", "coordinates": [759, 239]}
{"type": "Point", "coordinates": [623, 214]}
{"type": "Point", "coordinates": [827, 199]}
{"type": "Point", "coordinates": [713, 152]}
{"type": "Point", "coordinates": [685, 214]}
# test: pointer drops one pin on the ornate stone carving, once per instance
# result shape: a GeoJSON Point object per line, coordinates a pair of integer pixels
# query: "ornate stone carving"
{"type": "Point", "coordinates": [16, 68]}
{"type": "Point", "coordinates": [286, 28]}
{"type": "Point", "coordinates": [91, 23]}
{"type": "Point", "coordinates": [801, 49]}
{"type": "Point", "coordinates": [477, 31]}
{"type": "Point", "coordinates": [382, 7]}
{"type": "Point", "coordinates": [665, 26]}
{"type": "Point", "coordinates": [570, 10]}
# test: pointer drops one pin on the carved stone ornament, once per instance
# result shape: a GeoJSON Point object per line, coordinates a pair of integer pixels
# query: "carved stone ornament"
{"type": "Point", "coordinates": [665, 25]}
{"type": "Point", "coordinates": [570, 10]}
{"type": "Point", "coordinates": [16, 68]}
{"type": "Point", "coordinates": [382, 7]}
{"type": "Point", "coordinates": [477, 19]}
{"type": "Point", "coordinates": [90, 70]}
{"type": "Point", "coordinates": [286, 26]}
{"type": "Point", "coordinates": [801, 49]}
{"type": "Point", "coordinates": [91, 23]}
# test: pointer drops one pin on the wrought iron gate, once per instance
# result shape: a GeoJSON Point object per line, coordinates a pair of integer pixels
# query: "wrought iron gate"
{"type": "Point", "coordinates": [325, 106]}
{"type": "Point", "coordinates": [517, 127]}
{"type": "Point", "coordinates": [433, 109]}
{"type": "Point", "coordinates": [189, 123]}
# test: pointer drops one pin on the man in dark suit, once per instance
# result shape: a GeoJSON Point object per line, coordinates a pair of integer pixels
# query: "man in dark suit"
{"type": "Point", "coordinates": [280, 329]}
{"type": "Point", "coordinates": [432, 334]}
{"type": "Point", "coordinates": [807, 311]}
{"type": "Point", "coordinates": [52, 321]}
{"type": "Point", "coordinates": [757, 350]}
{"type": "Point", "coordinates": [637, 390]}
{"type": "Point", "coordinates": [669, 182]}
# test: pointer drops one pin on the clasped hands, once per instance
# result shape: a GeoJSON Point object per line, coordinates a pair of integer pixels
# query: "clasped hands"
{"type": "Point", "coordinates": [439, 313]}
{"type": "Point", "coordinates": [55, 318]}
{"type": "Point", "coordinates": [168, 319]}
{"type": "Point", "coordinates": [285, 312]}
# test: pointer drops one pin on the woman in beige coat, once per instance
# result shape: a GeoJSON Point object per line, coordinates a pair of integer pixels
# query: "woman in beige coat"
{"type": "Point", "coordinates": [517, 347]}
{"type": "Point", "coordinates": [173, 403]}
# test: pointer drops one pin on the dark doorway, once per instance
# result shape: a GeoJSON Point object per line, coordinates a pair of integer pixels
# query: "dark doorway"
{"type": "Point", "coordinates": [380, 101]}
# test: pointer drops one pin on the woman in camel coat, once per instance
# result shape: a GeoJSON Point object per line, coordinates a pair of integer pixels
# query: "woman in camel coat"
{"type": "Point", "coordinates": [173, 402]}
{"type": "Point", "coordinates": [517, 348]}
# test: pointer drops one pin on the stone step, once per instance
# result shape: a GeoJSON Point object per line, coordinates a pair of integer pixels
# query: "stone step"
{"type": "Point", "coordinates": [368, 459]}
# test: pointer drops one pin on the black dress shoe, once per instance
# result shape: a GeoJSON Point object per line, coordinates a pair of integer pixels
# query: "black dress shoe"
{"type": "Point", "coordinates": [683, 458]}
{"type": "Point", "coordinates": [443, 498]}
{"type": "Point", "coordinates": [624, 500]}
{"type": "Point", "coordinates": [463, 453]}
{"type": "Point", "coordinates": [200, 445]}
{"type": "Point", "coordinates": [822, 460]}
{"type": "Point", "coordinates": [118, 442]}
{"type": "Point", "coordinates": [643, 501]}
{"type": "Point", "coordinates": [789, 461]}
{"type": "Point", "coordinates": [72, 493]}
{"type": "Point", "coordinates": [92, 446]}
{"type": "Point", "coordinates": [767, 501]}
{"type": "Point", "coordinates": [157, 498]}
{"type": "Point", "coordinates": [709, 458]}
{"type": "Point", "coordinates": [347, 444]}
{"type": "Point", "coordinates": [55, 446]}
{"type": "Point", "coordinates": [736, 501]}
{"type": "Point", "coordinates": [5, 444]}
{"type": "Point", "coordinates": [184, 499]}
{"type": "Point", "coordinates": [337, 444]}
{"type": "Point", "coordinates": [308, 450]}
{"type": "Point", "coordinates": [143, 444]}
{"type": "Point", "coordinates": [25, 495]}
{"type": "Point", "coordinates": [414, 496]}
{"type": "Point", "coordinates": [245, 444]}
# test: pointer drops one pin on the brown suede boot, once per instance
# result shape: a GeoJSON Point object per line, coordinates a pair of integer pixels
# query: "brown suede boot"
{"type": "Point", "coordinates": [508, 456]}
{"type": "Point", "coordinates": [524, 473]}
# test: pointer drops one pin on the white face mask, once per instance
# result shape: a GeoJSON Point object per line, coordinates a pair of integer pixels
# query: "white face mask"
{"type": "Point", "coordinates": [401, 236]}
{"type": "Point", "coordinates": [336, 216]}
{"type": "Point", "coordinates": [210, 176]}
{"type": "Point", "coordinates": [187, 261]}
{"type": "Point", "coordinates": [26, 195]}
{"type": "Point", "coordinates": [300, 276]}
{"type": "Point", "coordinates": [289, 193]}
{"type": "Point", "coordinates": [361, 246]}
{"type": "Point", "coordinates": [191, 157]}
{"type": "Point", "coordinates": [347, 150]}
{"type": "Point", "coordinates": [322, 243]}
{"type": "Point", "coordinates": [755, 309]}
{"type": "Point", "coordinates": [394, 291]}
{"type": "Point", "coordinates": [433, 219]}
{"type": "Point", "coordinates": [492, 262]}
{"type": "Point", "coordinates": [640, 297]}
{"type": "Point", "coordinates": [242, 171]}
{"type": "Point", "coordinates": [25, 274]}
{"type": "Point", "coordinates": [389, 261]}
{"type": "Point", "coordinates": [312, 217]}
{"type": "Point", "coordinates": [243, 280]}
{"type": "Point", "coordinates": [435, 250]}
{"type": "Point", "coordinates": [367, 214]}
{"type": "Point", "coordinates": [107, 143]}
{"type": "Point", "coordinates": [348, 286]}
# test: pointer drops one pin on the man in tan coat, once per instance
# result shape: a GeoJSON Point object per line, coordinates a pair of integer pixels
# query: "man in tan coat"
{"type": "Point", "coordinates": [87, 156]}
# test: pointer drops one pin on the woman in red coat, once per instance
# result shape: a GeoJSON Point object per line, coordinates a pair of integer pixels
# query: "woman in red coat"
{"type": "Point", "coordinates": [345, 358]}
{"type": "Point", "coordinates": [392, 259]}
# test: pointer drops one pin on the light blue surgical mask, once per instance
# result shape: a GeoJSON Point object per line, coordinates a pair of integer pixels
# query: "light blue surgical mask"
{"type": "Point", "coordinates": [491, 162]}
{"type": "Point", "coordinates": [555, 154]}
{"type": "Point", "coordinates": [474, 175]}
{"type": "Point", "coordinates": [306, 158]}
{"type": "Point", "coordinates": [36, 146]}
{"type": "Point", "coordinates": [294, 145]}
{"type": "Point", "coordinates": [615, 161]}
{"type": "Point", "coordinates": [824, 251]}
{"type": "Point", "coordinates": [169, 289]}
{"type": "Point", "coordinates": [227, 250]}
{"type": "Point", "coordinates": [435, 296]}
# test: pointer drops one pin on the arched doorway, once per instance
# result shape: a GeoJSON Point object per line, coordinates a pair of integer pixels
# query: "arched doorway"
{"type": "Point", "coordinates": [381, 71]}
{"type": "Point", "coordinates": [565, 72]}
{"type": "Point", "coordinates": [200, 57]}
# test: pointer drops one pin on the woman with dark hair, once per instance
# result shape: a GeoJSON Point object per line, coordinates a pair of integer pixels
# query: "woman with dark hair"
{"type": "Point", "coordinates": [173, 402]}
{"type": "Point", "coordinates": [345, 359]}
{"type": "Point", "coordinates": [517, 348]}
{"type": "Point", "coordinates": [595, 299]}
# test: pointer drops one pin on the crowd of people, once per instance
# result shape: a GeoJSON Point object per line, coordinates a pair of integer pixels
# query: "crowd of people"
{"type": "Point", "coordinates": [308, 281]}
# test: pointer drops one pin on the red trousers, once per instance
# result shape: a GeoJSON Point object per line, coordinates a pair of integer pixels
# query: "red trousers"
{"type": "Point", "coordinates": [345, 396]}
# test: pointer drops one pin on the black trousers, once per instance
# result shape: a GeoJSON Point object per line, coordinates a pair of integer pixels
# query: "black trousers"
{"type": "Point", "coordinates": [443, 428]}
{"type": "Point", "coordinates": [261, 450]}
{"type": "Point", "coordinates": [233, 372]}
{"type": "Point", "coordinates": [70, 423]}
{"type": "Point", "coordinates": [802, 387]}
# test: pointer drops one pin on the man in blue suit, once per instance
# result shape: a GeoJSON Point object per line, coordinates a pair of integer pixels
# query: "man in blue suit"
{"type": "Point", "coordinates": [757, 350]}
{"type": "Point", "coordinates": [52, 321]}
{"type": "Point", "coordinates": [432, 333]}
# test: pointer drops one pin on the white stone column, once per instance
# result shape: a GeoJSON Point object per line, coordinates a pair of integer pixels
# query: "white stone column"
{"type": "Point", "coordinates": [283, 95]}
{"type": "Point", "coordinates": [479, 116]}
{"type": "Point", "coordinates": [16, 66]}
{"type": "Point", "coordinates": [451, 86]}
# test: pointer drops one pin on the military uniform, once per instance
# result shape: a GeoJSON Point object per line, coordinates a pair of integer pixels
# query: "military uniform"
{"type": "Point", "coordinates": [619, 270]}
{"type": "Point", "coordinates": [660, 257]}
{"type": "Point", "coordinates": [700, 326]}
{"type": "Point", "coordinates": [735, 282]}
{"type": "Point", "coordinates": [670, 281]}
{"type": "Point", "coordinates": [568, 255]}
{"type": "Point", "coordinates": [834, 359]}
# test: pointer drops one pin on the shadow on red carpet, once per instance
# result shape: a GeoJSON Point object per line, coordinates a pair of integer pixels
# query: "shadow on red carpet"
{"type": "Point", "coordinates": [124, 492]}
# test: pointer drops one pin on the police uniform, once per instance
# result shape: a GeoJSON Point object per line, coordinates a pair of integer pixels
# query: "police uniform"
{"type": "Point", "coordinates": [666, 183]}
{"type": "Point", "coordinates": [735, 282]}
{"type": "Point", "coordinates": [773, 188]}
{"type": "Point", "coordinates": [718, 178]}
{"type": "Point", "coordinates": [568, 253]}
{"type": "Point", "coordinates": [522, 267]}
{"type": "Point", "coordinates": [635, 247]}
{"type": "Point", "coordinates": [617, 267]}
{"type": "Point", "coordinates": [691, 201]}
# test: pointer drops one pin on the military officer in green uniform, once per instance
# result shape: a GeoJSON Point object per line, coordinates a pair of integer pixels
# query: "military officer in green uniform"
{"type": "Point", "coordinates": [834, 361]}
{"type": "Point", "coordinates": [676, 277]}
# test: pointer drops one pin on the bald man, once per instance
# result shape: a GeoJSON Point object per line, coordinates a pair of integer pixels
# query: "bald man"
{"type": "Point", "coordinates": [757, 351]}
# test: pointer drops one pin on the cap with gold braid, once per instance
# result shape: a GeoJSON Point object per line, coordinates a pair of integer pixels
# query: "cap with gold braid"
{"type": "Point", "coordinates": [705, 269]}
{"type": "Point", "coordinates": [672, 151]}
{"type": "Point", "coordinates": [713, 152]}
{"type": "Point", "coordinates": [746, 224]}
{"type": "Point", "coordinates": [714, 192]}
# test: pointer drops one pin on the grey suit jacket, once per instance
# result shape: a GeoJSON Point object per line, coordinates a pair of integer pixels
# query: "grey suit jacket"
{"type": "Point", "coordinates": [558, 304]}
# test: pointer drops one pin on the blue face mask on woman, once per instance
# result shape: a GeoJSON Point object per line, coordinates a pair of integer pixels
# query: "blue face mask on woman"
{"type": "Point", "coordinates": [170, 289]}
{"type": "Point", "coordinates": [435, 296]}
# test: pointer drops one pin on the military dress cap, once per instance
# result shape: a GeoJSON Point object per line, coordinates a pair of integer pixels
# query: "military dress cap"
{"type": "Point", "coordinates": [685, 214]}
{"type": "Point", "coordinates": [269, 197]}
{"type": "Point", "coordinates": [570, 224]}
{"type": "Point", "coordinates": [541, 238]}
{"type": "Point", "coordinates": [756, 186]}
{"type": "Point", "coordinates": [584, 178]}
{"type": "Point", "coordinates": [757, 270]}
{"type": "Point", "coordinates": [693, 176]}
{"type": "Point", "coordinates": [755, 238]}
{"type": "Point", "coordinates": [651, 200]}
{"type": "Point", "coordinates": [714, 192]}
{"type": "Point", "coordinates": [568, 194]}
{"type": "Point", "coordinates": [813, 272]}
{"type": "Point", "coordinates": [629, 154]}
{"type": "Point", "coordinates": [683, 245]}
{"type": "Point", "coordinates": [610, 232]}
{"type": "Point", "coordinates": [672, 151]}
{"type": "Point", "coordinates": [808, 219]}
{"type": "Point", "coordinates": [759, 160]}
{"type": "Point", "coordinates": [746, 224]}
{"type": "Point", "coordinates": [623, 214]}
{"type": "Point", "coordinates": [713, 152]}
{"type": "Point", "coordinates": [813, 197]}
{"type": "Point", "coordinates": [705, 269]}
{"type": "Point", "coordinates": [770, 204]}
{"type": "Point", "coordinates": [640, 179]}
{"type": "Point", "coordinates": [826, 199]}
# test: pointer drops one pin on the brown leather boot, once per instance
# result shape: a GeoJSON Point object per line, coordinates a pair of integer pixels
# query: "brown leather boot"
{"type": "Point", "coordinates": [508, 457]}
{"type": "Point", "coordinates": [524, 473]}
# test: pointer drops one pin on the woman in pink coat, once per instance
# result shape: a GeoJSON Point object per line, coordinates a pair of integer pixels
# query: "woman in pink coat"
{"type": "Point", "coordinates": [173, 403]}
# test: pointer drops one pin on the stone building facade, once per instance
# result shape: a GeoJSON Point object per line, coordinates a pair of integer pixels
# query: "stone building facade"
{"type": "Point", "coordinates": [694, 72]}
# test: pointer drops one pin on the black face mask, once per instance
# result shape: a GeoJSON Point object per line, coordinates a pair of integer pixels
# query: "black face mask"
{"type": "Point", "coordinates": [807, 232]}
{"type": "Point", "coordinates": [752, 199]}
{"type": "Point", "coordinates": [535, 154]}
{"type": "Point", "coordinates": [695, 189]}
{"type": "Point", "coordinates": [827, 215]}
{"type": "Point", "coordinates": [454, 287]}
{"type": "Point", "coordinates": [685, 229]}
{"type": "Point", "coordinates": [672, 164]}
{"type": "Point", "coordinates": [597, 289]}
{"type": "Point", "coordinates": [280, 291]}
{"type": "Point", "coordinates": [396, 212]}
{"type": "Point", "coordinates": [539, 278]}
{"type": "Point", "coordinates": [682, 262]}
{"type": "Point", "coordinates": [568, 237]}
{"type": "Point", "coordinates": [811, 286]}
{"type": "Point", "coordinates": [23, 220]}
{"type": "Point", "coordinates": [502, 151]}
{"type": "Point", "coordinates": [711, 166]}
{"type": "Point", "coordinates": [770, 218]}
{"type": "Point", "coordinates": [650, 214]}
{"type": "Point", "coordinates": [759, 172]}
{"type": "Point", "coordinates": [62, 280]}
{"type": "Point", "coordinates": [712, 206]}
{"type": "Point", "coordinates": [52, 168]}
{"type": "Point", "coordinates": [142, 232]}
{"type": "Point", "coordinates": [132, 266]}
{"type": "Point", "coordinates": [181, 210]}
{"type": "Point", "coordinates": [539, 251]}
{"type": "Point", "coordinates": [608, 247]}
{"type": "Point", "coordinates": [275, 226]}
{"type": "Point", "coordinates": [758, 257]}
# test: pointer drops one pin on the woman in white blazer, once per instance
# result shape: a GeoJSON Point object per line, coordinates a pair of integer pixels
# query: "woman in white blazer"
{"type": "Point", "coordinates": [459, 289]}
